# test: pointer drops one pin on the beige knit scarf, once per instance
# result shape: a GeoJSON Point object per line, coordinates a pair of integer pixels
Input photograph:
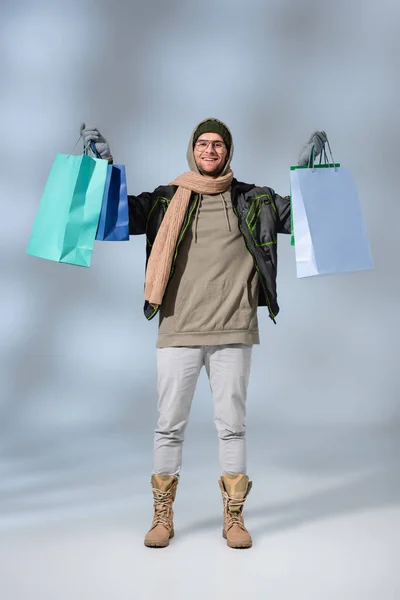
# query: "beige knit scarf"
{"type": "Point", "coordinates": [160, 261]}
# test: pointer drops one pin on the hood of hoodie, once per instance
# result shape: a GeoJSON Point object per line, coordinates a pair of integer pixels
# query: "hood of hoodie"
{"type": "Point", "coordinates": [190, 154]}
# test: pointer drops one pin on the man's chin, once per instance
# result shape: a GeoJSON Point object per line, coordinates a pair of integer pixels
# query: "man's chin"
{"type": "Point", "coordinates": [211, 173]}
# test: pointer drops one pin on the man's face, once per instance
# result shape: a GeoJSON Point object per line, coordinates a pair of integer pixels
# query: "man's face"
{"type": "Point", "coordinates": [210, 157]}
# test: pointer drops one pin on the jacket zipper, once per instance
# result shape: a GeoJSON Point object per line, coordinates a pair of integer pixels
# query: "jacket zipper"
{"type": "Point", "coordinates": [271, 314]}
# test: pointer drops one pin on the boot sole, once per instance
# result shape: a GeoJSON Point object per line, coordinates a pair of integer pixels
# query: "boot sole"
{"type": "Point", "coordinates": [158, 544]}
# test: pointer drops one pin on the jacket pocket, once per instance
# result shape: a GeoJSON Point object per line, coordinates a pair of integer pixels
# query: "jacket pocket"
{"type": "Point", "coordinates": [260, 220]}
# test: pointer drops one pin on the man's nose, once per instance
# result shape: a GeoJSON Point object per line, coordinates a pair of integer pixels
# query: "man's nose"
{"type": "Point", "coordinates": [210, 149]}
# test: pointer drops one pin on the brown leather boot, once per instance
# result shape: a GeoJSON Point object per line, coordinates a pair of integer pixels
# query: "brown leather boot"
{"type": "Point", "coordinates": [235, 489]}
{"type": "Point", "coordinates": [162, 529]}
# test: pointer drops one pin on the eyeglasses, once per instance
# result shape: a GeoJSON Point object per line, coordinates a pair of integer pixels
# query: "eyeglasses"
{"type": "Point", "coordinates": [217, 145]}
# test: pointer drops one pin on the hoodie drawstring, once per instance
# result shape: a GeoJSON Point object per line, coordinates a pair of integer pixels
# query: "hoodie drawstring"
{"type": "Point", "coordinates": [226, 212]}
{"type": "Point", "coordinates": [197, 218]}
{"type": "Point", "coordinates": [198, 211]}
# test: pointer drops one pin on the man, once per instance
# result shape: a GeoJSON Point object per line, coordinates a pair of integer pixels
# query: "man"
{"type": "Point", "coordinates": [211, 258]}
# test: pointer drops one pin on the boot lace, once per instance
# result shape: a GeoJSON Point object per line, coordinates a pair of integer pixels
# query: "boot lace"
{"type": "Point", "coordinates": [234, 518]}
{"type": "Point", "coordinates": [162, 508]}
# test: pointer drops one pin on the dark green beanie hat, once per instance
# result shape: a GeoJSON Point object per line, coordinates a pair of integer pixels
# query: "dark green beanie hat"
{"type": "Point", "coordinates": [213, 126]}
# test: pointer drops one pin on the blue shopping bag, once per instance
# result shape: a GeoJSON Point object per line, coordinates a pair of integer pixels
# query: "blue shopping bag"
{"type": "Point", "coordinates": [68, 215]}
{"type": "Point", "coordinates": [114, 216]}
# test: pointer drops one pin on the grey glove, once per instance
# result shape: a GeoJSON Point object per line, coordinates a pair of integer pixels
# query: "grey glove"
{"type": "Point", "coordinates": [317, 139]}
{"type": "Point", "coordinates": [91, 134]}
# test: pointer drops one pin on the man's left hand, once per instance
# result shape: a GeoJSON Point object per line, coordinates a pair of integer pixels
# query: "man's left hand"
{"type": "Point", "coordinates": [317, 139]}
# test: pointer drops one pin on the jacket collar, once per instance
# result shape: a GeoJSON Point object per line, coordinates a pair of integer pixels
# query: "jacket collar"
{"type": "Point", "coordinates": [239, 187]}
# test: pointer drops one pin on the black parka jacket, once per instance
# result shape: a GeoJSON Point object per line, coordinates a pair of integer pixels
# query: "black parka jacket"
{"type": "Point", "coordinates": [261, 213]}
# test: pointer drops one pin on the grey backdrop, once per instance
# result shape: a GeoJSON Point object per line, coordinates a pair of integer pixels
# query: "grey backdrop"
{"type": "Point", "coordinates": [78, 370]}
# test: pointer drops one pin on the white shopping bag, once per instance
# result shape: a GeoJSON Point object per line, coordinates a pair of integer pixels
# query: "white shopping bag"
{"type": "Point", "coordinates": [329, 230]}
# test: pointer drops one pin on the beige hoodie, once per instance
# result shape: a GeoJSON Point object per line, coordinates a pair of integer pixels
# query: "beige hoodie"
{"type": "Point", "coordinates": [212, 296]}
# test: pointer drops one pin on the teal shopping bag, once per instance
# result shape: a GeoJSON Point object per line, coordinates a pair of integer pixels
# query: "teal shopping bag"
{"type": "Point", "coordinates": [66, 222]}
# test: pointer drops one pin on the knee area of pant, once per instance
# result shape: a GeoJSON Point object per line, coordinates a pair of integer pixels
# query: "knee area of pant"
{"type": "Point", "coordinates": [229, 435]}
{"type": "Point", "coordinates": [172, 435]}
{"type": "Point", "coordinates": [171, 426]}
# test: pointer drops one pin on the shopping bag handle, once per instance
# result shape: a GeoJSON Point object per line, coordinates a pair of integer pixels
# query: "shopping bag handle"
{"type": "Point", "coordinates": [85, 148]}
{"type": "Point", "coordinates": [323, 150]}
{"type": "Point", "coordinates": [93, 149]}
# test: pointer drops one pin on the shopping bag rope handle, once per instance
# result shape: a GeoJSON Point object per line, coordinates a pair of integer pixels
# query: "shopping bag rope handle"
{"type": "Point", "coordinates": [85, 148]}
{"type": "Point", "coordinates": [312, 153]}
{"type": "Point", "coordinates": [94, 149]}
{"type": "Point", "coordinates": [76, 143]}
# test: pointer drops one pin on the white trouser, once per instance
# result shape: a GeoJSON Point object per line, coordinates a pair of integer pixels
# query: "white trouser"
{"type": "Point", "coordinates": [228, 370]}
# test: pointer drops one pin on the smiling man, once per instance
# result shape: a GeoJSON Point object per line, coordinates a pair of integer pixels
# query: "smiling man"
{"type": "Point", "coordinates": [211, 259]}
